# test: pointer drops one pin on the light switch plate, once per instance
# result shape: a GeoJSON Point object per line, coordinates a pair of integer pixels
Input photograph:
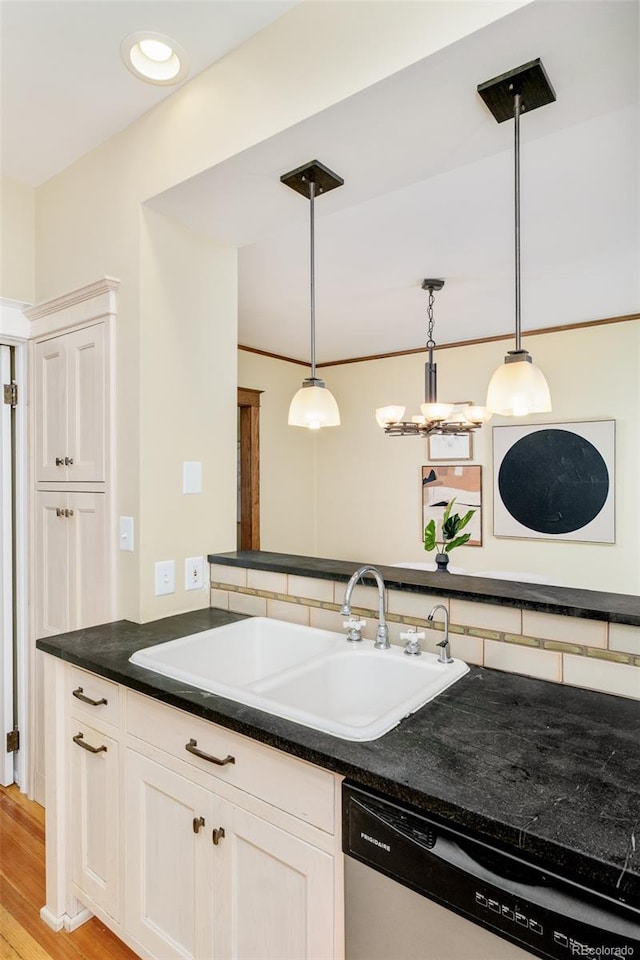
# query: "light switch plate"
{"type": "Point", "coordinates": [194, 573]}
{"type": "Point", "coordinates": [126, 533]}
{"type": "Point", "coordinates": [165, 577]}
{"type": "Point", "coordinates": [192, 476]}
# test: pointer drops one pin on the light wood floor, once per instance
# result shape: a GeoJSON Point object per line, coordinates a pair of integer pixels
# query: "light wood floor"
{"type": "Point", "coordinates": [23, 935]}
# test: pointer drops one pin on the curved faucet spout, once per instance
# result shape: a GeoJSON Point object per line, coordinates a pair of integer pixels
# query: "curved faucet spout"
{"type": "Point", "coordinates": [445, 653]}
{"type": "Point", "coordinates": [382, 634]}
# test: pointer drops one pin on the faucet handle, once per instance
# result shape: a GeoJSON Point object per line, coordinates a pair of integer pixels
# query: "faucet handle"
{"type": "Point", "coordinates": [355, 626]}
{"type": "Point", "coordinates": [413, 638]}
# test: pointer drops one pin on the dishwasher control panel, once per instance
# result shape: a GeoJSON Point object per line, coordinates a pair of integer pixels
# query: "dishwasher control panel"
{"type": "Point", "coordinates": [546, 914]}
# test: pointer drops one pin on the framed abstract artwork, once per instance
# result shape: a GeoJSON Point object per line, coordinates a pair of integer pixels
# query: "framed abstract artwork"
{"type": "Point", "coordinates": [450, 446]}
{"type": "Point", "coordinates": [555, 481]}
{"type": "Point", "coordinates": [442, 484]}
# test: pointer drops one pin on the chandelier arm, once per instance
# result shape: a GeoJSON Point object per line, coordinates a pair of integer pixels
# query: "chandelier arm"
{"type": "Point", "coordinates": [516, 179]}
{"type": "Point", "coordinates": [312, 244]}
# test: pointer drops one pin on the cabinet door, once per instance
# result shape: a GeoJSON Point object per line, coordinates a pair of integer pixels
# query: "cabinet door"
{"type": "Point", "coordinates": [86, 412]}
{"type": "Point", "coordinates": [51, 409]}
{"type": "Point", "coordinates": [274, 893]}
{"type": "Point", "coordinates": [169, 866]}
{"type": "Point", "coordinates": [89, 589]}
{"type": "Point", "coordinates": [52, 564]}
{"type": "Point", "coordinates": [95, 833]}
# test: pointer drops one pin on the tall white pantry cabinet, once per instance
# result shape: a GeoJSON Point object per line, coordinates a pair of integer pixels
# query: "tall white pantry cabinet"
{"type": "Point", "coordinates": [72, 468]}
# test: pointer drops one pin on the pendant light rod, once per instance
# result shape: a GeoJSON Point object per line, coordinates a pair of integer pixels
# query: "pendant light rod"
{"type": "Point", "coordinates": [517, 106]}
{"type": "Point", "coordinates": [312, 273]}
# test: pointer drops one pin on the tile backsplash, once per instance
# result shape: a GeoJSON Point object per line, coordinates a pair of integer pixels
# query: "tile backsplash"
{"type": "Point", "coordinates": [593, 654]}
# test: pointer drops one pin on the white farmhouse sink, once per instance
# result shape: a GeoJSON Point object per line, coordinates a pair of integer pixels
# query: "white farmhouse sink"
{"type": "Point", "coordinates": [313, 677]}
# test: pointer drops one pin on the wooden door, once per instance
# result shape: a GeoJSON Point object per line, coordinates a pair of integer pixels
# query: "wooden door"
{"type": "Point", "coordinates": [52, 613]}
{"type": "Point", "coordinates": [89, 593]}
{"type": "Point", "coordinates": [95, 826]}
{"type": "Point", "coordinates": [51, 409]}
{"type": "Point", "coordinates": [274, 893]}
{"type": "Point", "coordinates": [87, 404]}
{"type": "Point", "coordinates": [169, 866]}
{"type": "Point", "coordinates": [249, 469]}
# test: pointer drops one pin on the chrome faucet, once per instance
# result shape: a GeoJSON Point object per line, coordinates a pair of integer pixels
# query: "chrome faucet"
{"type": "Point", "coordinates": [445, 653]}
{"type": "Point", "coordinates": [382, 634]}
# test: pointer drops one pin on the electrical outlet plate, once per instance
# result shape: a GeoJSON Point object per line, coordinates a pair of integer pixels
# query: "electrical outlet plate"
{"type": "Point", "coordinates": [165, 577]}
{"type": "Point", "coordinates": [194, 573]}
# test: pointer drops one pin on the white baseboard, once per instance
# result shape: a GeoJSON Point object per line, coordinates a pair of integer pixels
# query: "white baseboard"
{"type": "Point", "coordinates": [56, 923]}
{"type": "Point", "coordinates": [72, 923]}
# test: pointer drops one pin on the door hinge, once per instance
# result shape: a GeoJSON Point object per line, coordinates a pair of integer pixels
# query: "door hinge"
{"type": "Point", "coordinates": [13, 741]}
{"type": "Point", "coordinates": [10, 392]}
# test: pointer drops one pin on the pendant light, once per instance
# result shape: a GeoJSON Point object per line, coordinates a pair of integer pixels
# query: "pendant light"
{"type": "Point", "coordinates": [518, 387]}
{"type": "Point", "coordinates": [313, 406]}
{"type": "Point", "coordinates": [434, 417]}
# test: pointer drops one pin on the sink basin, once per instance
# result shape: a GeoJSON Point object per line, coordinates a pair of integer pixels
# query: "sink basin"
{"type": "Point", "coordinates": [236, 654]}
{"type": "Point", "coordinates": [311, 676]}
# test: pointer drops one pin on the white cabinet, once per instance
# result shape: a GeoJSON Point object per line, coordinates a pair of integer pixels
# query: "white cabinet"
{"type": "Point", "coordinates": [169, 861]}
{"type": "Point", "coordinates": [95, 840]}
{"type": "Point", "coordinates": [71, 406]}
{"type": "Point", "coordinates": [201, 844]}
{"type": "Point", "coordinates": [72, 572]}
{"type": "Point", "coordinates": [208, 878]}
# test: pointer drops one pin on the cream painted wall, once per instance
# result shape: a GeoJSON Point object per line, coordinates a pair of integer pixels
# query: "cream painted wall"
{"type": "Point", "coordinates": [287, 456]}
{"type": "Point", "coordinates": [17, 240]}
{"type": "Point", "coordinates": [369, 486]}
{"type": "Point", "coordinates": [88, 223]}
{"type": "Point", "coordinates": [188, 313]}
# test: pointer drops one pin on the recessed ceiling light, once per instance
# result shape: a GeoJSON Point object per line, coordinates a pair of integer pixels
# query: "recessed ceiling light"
{"type": "Point", "coordinates": [154, 58]}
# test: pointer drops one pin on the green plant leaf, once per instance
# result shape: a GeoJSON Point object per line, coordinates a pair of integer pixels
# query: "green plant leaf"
{"type": "Point", "coordinates": [457, 542]}
{"type": "Point", "coordinates": [447, 511]}
{"type": "Point", "coordinates": [430, 535]}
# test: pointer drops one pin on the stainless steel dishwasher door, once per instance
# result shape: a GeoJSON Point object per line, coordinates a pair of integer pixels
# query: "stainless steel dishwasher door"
{"type": "Point", "coordinates": [386, 921]}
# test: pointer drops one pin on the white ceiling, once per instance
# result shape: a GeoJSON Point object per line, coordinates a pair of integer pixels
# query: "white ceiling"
{"type": "Point", "coordinates": [65, 88]}
{"type": "Point", "coordinates": [428, 192]}
{"type": "Point", "coordinates": [428, 172]}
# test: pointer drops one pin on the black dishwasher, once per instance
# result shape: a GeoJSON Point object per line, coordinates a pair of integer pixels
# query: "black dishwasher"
{"type": "Point", "coordinates": [542, 913]}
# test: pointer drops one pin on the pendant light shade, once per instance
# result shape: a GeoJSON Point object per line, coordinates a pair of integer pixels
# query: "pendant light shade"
{"type": "Point", "coordinates": [313, 406]}
{"type": "Point", "coordinates": [518, 387]}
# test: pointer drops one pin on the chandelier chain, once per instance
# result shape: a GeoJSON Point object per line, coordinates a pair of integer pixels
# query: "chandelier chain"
{"type": "Point", "coordinates": [430, 341]}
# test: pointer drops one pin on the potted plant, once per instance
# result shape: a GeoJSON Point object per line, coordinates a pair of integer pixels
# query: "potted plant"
{"type": "Point", "coordinates": [451, 536]}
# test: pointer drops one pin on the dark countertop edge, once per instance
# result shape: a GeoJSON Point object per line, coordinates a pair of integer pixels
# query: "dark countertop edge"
{"type": "Point", "coordinates": [565, 601]}
{"type": "Point", "coordinates": [545, 852]}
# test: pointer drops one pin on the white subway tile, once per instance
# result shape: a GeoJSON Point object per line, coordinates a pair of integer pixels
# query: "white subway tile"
{"type": "Point", "coordinates": [622, 679]}
{"type": "Point", "coordinates": [326, 620]}
{"type": "Point", "coordinates": [624, 638]}
{"type": "Point", "coordinates": [247, 603]}
{"type": "Point", "coordinates": [408, 604]}
{"type": "Point", "coordinates": [311, 588]}
{"type": "Point", "coordinates": [267, 580]}
{"type": "Point", "coordinates": [486, 616]}
{"type": "Point", "coordinates": [529, 661]}
{"type": "Point", "coordinates": [220, 599]}
{"type": "Point", "coordinates": [292, 612]}
{"type": "Point", "coordinates": [550, 626]}
{"type": "Point", "coordinates": [223, 574]}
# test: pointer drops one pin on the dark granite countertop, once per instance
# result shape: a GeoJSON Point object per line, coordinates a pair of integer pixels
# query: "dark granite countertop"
{"type": "Point", "coordinates": [547, 771]}
{"type": "Point", "coordinates": [567, 601]}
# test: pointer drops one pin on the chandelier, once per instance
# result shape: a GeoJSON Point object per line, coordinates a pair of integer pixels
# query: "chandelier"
{"type": "Point", "coordinates": [434, 417]}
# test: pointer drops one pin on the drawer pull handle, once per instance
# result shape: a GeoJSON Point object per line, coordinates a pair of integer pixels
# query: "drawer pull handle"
{"type": "Point", "coordinates": [197, 823]}
{"type": "Point", "coordinates": [192, 747]}
{"type": "Point", "coordinates": [79, 739]}
{"type": "Point", "coordinates": [94, 703]}
{"type": "Point", "coordinates": [59, 461]}
{"type": "Point", "coordinates": [68, 461]}
{"type": "Point", "coordinates": [217, 835]}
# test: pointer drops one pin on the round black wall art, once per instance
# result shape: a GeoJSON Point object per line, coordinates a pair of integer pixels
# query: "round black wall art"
{"type": "Point", "coordinates": [553, 481]}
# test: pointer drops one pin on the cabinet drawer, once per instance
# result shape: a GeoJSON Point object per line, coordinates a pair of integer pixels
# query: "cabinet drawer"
{"type": "Point", "coordinates": [290, 784]}
{"type": "Point", "coordinates": [93, 696]}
